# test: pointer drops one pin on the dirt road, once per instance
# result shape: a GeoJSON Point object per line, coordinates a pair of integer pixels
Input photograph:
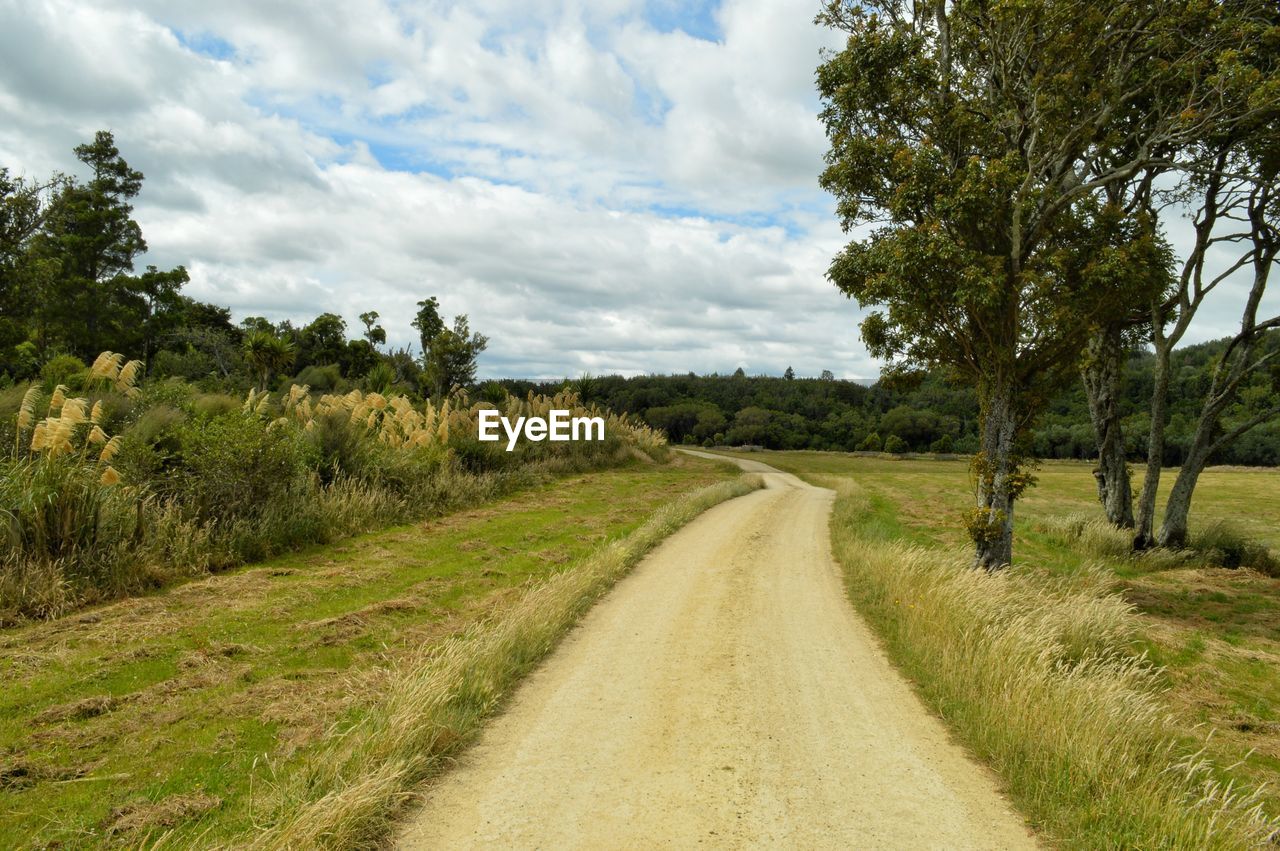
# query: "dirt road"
{"type": "Point", "coordinates": [724, 695]}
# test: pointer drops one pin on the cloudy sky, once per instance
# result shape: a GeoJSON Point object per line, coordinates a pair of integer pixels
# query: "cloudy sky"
{"type": "Point", "coordinates": [603, 186]}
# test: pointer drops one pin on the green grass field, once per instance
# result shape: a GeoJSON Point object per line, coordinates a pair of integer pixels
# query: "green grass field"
{"type": "Point", "coordinates": [1214, 632]}
{"type": "Point", "coordinates": [181, 709]}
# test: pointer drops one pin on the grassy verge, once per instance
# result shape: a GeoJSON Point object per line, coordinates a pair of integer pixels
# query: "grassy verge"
{"type": "Point", "coordinates": [1046, 671]}
{"type": "Point", "coordinates": [209, 710]}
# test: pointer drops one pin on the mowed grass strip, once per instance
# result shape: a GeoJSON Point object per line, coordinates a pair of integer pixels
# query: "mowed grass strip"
{"type": "Point", "coordinates": [178, 711]}
{"type": "Point", "coordinates": [349, 796]}
{"type": "Point", "coordinates": [1041, 670]}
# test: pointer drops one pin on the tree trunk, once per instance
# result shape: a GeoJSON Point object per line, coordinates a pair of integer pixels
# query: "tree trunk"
{"type": "Point", "coordinates": [1144, 537]}
{"type": "Point", "coordinates": [1173, 530]}
{"type": "Point", "coordinates": [996, 467]}
{"type": "Point", "coordinates": [1102, 374]}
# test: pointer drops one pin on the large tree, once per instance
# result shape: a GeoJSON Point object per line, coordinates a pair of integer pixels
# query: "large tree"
{"type": "Point", "coordinates": [1230, 183]}
{"type": "Point", "coordinates": [90, 233]}
{"type": "Point", "coordinates": [974, 139]}
{"type": "Point", "coordinates": [82, 295]}
{"type": "Point", "coordinates": [322, 341]}
{"type": "Point", "coordinates": [451, 356]}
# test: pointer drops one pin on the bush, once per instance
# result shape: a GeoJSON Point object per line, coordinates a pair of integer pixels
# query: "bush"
{"type": "Point", "coordinates": [191, 364]}
{"type": "Point", "coordinates": [211, 481]}
{"type": "Point", "coordinates": [173, 392]}
{"type": "Point", "coordinates": [323, 379]}
{"type": "Point", "coordinates": [215, 404]}
{"type": "Point", "coordinates": [64, 369]}
{"type": "Point", "coordinates": [231, 466]}
{"type": "Point", "coordinates": [895, 444]}
{"type": "Point", "coordinates": [380, 378]}
{"type": "Point", "coordinates": [871, 443]}
{"type": "Point", "coordinates": [1225, 546]}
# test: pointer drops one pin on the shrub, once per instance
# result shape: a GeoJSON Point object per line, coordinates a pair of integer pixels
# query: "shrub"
{"type": "Point", "coordinates": [326, 379]}
{"type": "Point", "coordinates": [210, 481]}
{"type": "Point", "coordinates": [895, 444]}
{"type": "Point", "coordinates": [1222, 544]}
{"type": "Point", "coordinates": [214, 404]}
{"type": "Point", "coordinates": [62, 532]}
{"type": "Point", "coordinates": [943, 445]}
{"type": "Point", "coordinates": [64, 369]}
{"type": "Point", "coordinates": [191, 364]}
{"type": "Point", "coordinates": [173, 392]}
{"type": "Point", "coordinates": [380, 378]}
{"type": "Point", "coordinates": [231, 466]}
{"type": "Point", "coordinates": [871, 443]}
{"type": "Point", "coordinates": [341, 450]}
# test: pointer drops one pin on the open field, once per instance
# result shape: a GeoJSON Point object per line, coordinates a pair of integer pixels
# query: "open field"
{"type": "Point", "coordinates": [189, 709]}
{"type": "Point", "coordinates": [1215, 633]}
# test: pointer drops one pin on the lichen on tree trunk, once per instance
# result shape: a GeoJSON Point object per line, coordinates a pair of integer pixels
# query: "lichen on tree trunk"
{"type": "Point", "coordinates": [998, 480]}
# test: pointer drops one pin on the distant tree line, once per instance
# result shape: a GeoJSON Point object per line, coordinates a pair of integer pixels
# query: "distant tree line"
{"type": "Point", "coordinates": [69, 290]}
{"type": "Point", "coordinates": [927, 415]}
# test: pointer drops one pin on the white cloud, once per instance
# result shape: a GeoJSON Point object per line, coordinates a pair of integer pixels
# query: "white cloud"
{"type": "Point", "coordinates": [595, 192]}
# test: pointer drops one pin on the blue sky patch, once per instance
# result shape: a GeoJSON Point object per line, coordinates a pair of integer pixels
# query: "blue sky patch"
{"type": "Point", "coordinates": [206, 44]}
{"type": "Point", "coordinates": [696, 18]}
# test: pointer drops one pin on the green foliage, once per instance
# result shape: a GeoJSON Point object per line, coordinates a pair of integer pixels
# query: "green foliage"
{"type": "Point", "coordinates": [359, 358]}
{"type": "Point", "coordinates": [324, 379]}
{"type": "Point", "coordinates": [932, 415]}
{"type": "Point", "coordinates": [895, 444]}
{"type": "Point", "coordinates": [230, 466]}
{"type": "Point", "coordinates": [373, 332]}
{"type": "Point", "coordinates": [64, 369]}
{"type": "Point", "coordinates": [1223, 544]}
{"type": "Point", "coordinates": [268, 354]}
{"type": "Point", "coordinates": [190, 364]}
{"type": "Point", "coordinates": [55, 509]}
{"type": "Point", "coordinates": [428, 322]}
{"type": "Point", "coordinates": [451, 356]}
{"type": "Point", "coordinates": [214, 404]}
{"type": "Point", "coordinates": [379, 378]}
{"type": "Point", "coordinates": [323, 340]}
{"type": "Point", "coordinates": [991, 156]}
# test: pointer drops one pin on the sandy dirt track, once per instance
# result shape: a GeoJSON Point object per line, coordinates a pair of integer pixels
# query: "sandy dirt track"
{"type": "Point", "coordinates": [724, 695]}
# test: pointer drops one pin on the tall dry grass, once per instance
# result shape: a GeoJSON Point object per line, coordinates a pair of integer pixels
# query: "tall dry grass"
{"type": "Point", "coordinates": [1036, 673]}
{"type": "Point", "coordinates": [187, 487]}
{"type": "Point", "coordinates": [346, 795]}
{"type": "Point", "coordinates": [1218, 544]}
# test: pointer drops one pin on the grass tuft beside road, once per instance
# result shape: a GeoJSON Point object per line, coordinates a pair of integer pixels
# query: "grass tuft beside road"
{"type": "Point", "coordinates": [186, 713]}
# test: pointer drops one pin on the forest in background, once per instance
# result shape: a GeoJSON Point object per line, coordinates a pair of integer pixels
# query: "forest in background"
{"type": "Point", "coordinates": [929, 415]}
